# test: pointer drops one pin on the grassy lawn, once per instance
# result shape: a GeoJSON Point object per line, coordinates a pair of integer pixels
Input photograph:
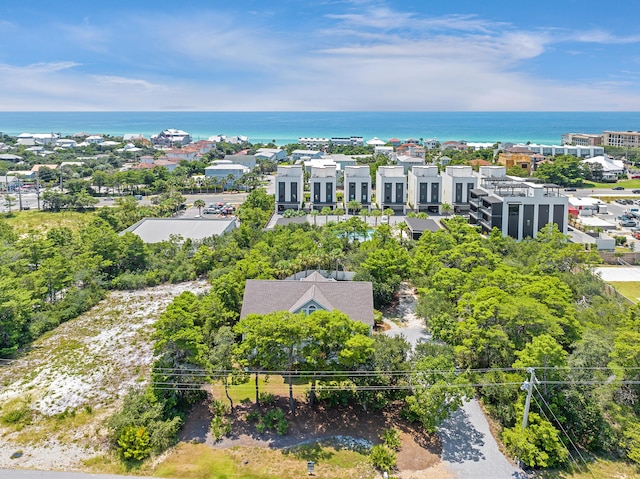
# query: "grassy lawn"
{"type": "Point", "coordinates": [42, 221]}
{"type": "Point", "coordinates": [626, 184]}
{"type": "Point", "coordinates": [629, 289]}
{"type": "Point", "coordinates": [598, 468]}
{"type": "Point", "coordinates": [198, 461]}
{"type": "Point", "coordinates": [275, 385]}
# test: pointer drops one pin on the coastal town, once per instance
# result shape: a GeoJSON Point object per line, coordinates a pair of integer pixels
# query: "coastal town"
{"type": "Point", "coordinates": [390, 303]}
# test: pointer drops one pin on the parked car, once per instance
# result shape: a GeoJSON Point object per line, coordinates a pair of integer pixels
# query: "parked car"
{"type": "Point", "coordinates": [628, 224]}
{"type": "Point", "coordinates": [571, 188]}
{"type": "Point", "coordinates": [618, 188]}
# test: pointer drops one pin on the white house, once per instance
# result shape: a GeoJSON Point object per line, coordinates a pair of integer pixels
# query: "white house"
{"type": "Point", "coordinates": [299, 154]}
{"type": "Point", "coordinates": [94, 140]}
{"type": "Point", "coordinates": [323, 187]}
{"type": "Point", "coordinates": [289, 187]}
{"type": "Point", "coordinates": [357, 185]}
{"type": "Point", "coordinates": [225, 171]}
{"type": "Point", "coordinates": [611, 168]}
{"type": "Point", "coordinates": [391, 188]}
{"type": "Point", "coordinates": [271, 154]}
{"type": "Point", "coordinates": [408, 162]}
{"type": "Point", "coordinates": [424, 189]}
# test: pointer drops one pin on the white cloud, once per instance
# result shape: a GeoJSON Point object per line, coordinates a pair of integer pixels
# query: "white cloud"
{"type": "Point", "coordinates": [118, 81]}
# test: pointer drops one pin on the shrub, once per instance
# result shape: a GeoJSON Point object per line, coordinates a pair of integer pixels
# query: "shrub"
{"type": "Point", "coordinates": [135, 443]}
{"type": "Point", "coordinates": [538, 445]}
{"type": "Point", "coordinates": [383, 458]}
{"type": "Point", "coordinates": [391, 438]}
{"type": "Point", "coordinates": [220, 424]}
{"type": "Point", "coordinates": [220, 427]}
{"type": "Point", "coordinates": [266, 399]}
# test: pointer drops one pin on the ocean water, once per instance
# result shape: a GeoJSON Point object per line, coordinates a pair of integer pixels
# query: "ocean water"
{"type": "Point", "coordinates": [286, 127]}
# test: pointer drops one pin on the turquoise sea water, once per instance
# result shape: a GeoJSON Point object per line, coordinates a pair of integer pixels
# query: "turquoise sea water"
{"type": "Point", "coordinates": [286, 127]}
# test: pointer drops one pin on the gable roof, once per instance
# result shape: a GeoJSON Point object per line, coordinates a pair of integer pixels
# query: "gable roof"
{"type": "Point", "coordinates": [353, 298]}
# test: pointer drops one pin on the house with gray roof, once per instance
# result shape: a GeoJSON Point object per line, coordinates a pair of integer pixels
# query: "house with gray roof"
{"type": "Point", "coordinates": [312, 293]}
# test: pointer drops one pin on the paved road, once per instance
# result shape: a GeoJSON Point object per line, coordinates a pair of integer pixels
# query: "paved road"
{"type": "Point", "coordinates": [470, 451]}
{"type": "Point", "coordinates": [30, 474]}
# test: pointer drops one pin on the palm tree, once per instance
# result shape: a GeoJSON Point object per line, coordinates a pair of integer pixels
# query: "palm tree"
{"type": "Point", "coordinates": [364, 212]}
{"type": "Point", "coordinates": [314, 213]}
{"type": "Point", "coordinates": [199, 204]}
{"type": "Point", "coordinates": [446, 209]}
{"type": "Point", "coordinates": [354, 206]}
{"type": "Point", "coordinates": [326, 211]}
{"type": "Point", "coordinates": [376, 214]}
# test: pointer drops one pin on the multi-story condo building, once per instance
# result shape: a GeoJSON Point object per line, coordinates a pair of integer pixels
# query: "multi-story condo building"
{"type": "Point", "coordinates": [313, 143]}
{"type": "Point", "coordinates": [621, 138]}
{"type": "Point", "coordinates": [457, 182]}
{"type": "Point", "coordinates": [424, 189]}
{"type": "Point", "coordinates": [582, 139]}
{"type": "Point", "coordinates": [517, 208]}
{"type": "Point", "coordinates": [357, 185]}
{"type": "Point", "coordinates": [391, 186]}
{"type": "Point", "coordinates": [347, 141]}
{"type": "Point", "coordinates": [553, 150]}
{"type": "Point", "coordinates": [289, 187]}
{"type": "Point", "coordinates": [323, 187]}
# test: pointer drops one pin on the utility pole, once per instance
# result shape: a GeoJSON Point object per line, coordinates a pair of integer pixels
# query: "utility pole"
{"type": "Point", "coordinates": [527, 385]}
{"type": "Point", "coordinates": [20, 192]}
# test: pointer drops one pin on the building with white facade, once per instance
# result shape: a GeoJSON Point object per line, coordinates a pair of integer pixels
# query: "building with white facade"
{"type": "Point", "coordinates": [171, 137]}
{"type": "Point", "coordinates": [611, 169]}
{"type": "Point", "coordinates": [271, 154]}
{"type": "Point", "coordinates": [383, 150]}
{"type": "Point", "coordinates": [431, 143]}
{"type": "Point", "coordinates": [309, 154]}
{"type": "Point", "coordinates": [517, 208]}
{"type": "Point", "coordinates": [457, 182]}
{"type": "Point", "coordinates": [347, 141]}
{"type": "Point", "coordinates": [225, 170]}
{"type": "Point", "coordinates": [391, 188]}
{"type": "Point", "coordinates": [424, 189]}
{"type": "Point", "coordinates": [314, 143]}
{"type": "Point", "coordinates": [408, 162]}
{"type": "Point", "coordinates": [289, 187]}
{"type": "Point", "coordinates": [245, 160]}
{"type": "Point", "coordinates": [357, 185]}
{"type": "Point", "coordinates": [575, 150]}
{"type": "Point", "coordinates": [322, 184]}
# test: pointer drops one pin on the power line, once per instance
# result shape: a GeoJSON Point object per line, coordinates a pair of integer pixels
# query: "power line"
{"type": "Point", "coordinates": [560, 425]}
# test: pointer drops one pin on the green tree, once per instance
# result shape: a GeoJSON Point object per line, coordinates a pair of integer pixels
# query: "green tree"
{"type": "Point", "coordinates": [199, 204]}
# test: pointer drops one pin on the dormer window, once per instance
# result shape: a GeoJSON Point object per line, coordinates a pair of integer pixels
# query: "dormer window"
{"type": "Point", "coordinates": [310, 309]}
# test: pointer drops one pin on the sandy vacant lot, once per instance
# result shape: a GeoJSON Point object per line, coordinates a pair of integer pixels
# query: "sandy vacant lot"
{"type": "Point", "coordinates": [72, 379]}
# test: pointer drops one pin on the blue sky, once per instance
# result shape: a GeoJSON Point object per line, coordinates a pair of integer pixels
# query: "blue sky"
{"type": "Point", "coordinates": [349, 55]}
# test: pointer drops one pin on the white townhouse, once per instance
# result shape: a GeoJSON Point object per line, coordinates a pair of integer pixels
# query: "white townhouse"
{"type": "Point", "coordinates": [457, 182]}
{"type": "Point", "coordinates": [391, 188]}
{"type": "Point", "coordinates": [322, 184]}
{"type": "Point", "coordinates": [357, 185]}
{"type": "Point", "coordinates": [289, 187]}
{"type": "Point", "coordinates": [316, 143]}
{"type": "Point", "coordinates": [424, 189]}
{"type": "Point", "coordinates": [518, 208]}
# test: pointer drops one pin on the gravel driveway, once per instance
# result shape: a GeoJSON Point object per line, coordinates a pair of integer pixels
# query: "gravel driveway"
{"type": "Point", "coordinates": [469, 450]}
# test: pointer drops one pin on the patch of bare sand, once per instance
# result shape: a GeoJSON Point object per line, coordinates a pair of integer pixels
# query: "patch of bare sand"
{"type": "Point", "coordinates": [82, 368]}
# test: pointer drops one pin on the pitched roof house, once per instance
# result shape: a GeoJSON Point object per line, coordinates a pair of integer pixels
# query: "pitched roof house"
{"type": "Point", "coordinates": [313, 293]}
